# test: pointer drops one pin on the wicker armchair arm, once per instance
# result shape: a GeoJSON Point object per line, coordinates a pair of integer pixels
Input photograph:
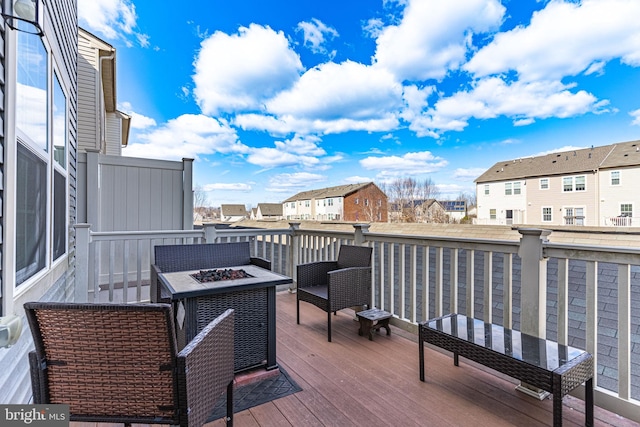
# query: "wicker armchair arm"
{"type": "Point", "coordinates": [349, 287]}
{"type": "Point", "coordinates": [261, 262]}
{"type": "Point", "coordinates": [314, 273]}
{"type": "Point", "coordinates": [37, 378]}
{"type": "Point", "coordinates": [205, 369]}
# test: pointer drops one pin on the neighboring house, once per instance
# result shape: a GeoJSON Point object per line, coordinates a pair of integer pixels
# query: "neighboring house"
{"type": "Point", "coordinates": [456, 210]}
{"type": "Point", "coordinates": [352, 202]}
{"type": "Point", "coordinates": [233, 213]}
{"type": "Point", "coordinates": [39, 117]}
{"type": "Point", "coordinates": [101, 127]}
{"type": "Point", "coordinates": [418, 211]}
{"type": "Point", "coordinates": [595, 186]}
{"type": "Point", "coordinates": [269, 211]}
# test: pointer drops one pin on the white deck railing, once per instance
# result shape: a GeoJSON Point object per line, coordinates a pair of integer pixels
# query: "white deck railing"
{"type": "Point", "coordinates": [576, 294]}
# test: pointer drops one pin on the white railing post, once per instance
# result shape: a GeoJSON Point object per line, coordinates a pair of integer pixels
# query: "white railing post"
{"type": "Point", "coordinates": [360, 230]}
{"type": "Point", "coordinates": [83, 238]}
{"type": "Point", "coordinates": [293, 252]}
{"type": "Point", "coordinates": [533, 303]}
{"type": "Point", "coordinates": [209, 233]}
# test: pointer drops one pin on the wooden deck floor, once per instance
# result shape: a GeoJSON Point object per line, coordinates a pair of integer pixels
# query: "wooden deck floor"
{"type": "Point", "coordinates": [356, 382]}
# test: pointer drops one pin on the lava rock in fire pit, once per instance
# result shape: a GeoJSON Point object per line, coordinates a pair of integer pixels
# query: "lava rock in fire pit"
{"type": "Point", "coordinates": [216, 275]}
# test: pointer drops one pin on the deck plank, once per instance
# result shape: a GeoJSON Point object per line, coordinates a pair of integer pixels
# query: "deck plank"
{"type": "Point", "coordinates": [356, 382]}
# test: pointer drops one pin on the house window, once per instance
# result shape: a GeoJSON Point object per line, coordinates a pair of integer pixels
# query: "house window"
{"type": "Point", "coordinates": [626, 209]}
{"type": "Point", "coordinates": [574, 216]}
{"type": "Point", "coordinates": [507, 189]}
{"type": "Point", "coordinates": [570, 183]}
{"type": "Point", "coordinates": [486, 189]}
{"type": "Point", "coordinates": [492, 214]}
{"type": "Point", "coordinates": [516, 188]}
{"type": "Point", "coordinates": [366, 202]}
{"type": "Point", "coordinates": [546, 215]}
{"type": "Point", "coordinates": [330, 202]}
{"type": "Point", "coordinates": [41, 113]}
{"type": "Point", "coordinates": [544, 183]}
{"type": "Point", "coordinates": [307, 203]}
{"type": "Point", "coordinates": [615, 178]}
{"type": "Point", "coordinates": [357, 201]}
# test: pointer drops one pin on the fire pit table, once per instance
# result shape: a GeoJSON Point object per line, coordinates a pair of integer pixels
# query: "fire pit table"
{"type": "Point", "coordinates": [198, 298]}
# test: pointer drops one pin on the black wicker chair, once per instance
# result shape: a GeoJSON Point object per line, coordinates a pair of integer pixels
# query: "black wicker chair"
{"type": "Point", "coordinates": [119, 363]}
{"type": "Point", "coordinates": [334, 285]}
{"type": "Point", "coordinates": [170, 258]}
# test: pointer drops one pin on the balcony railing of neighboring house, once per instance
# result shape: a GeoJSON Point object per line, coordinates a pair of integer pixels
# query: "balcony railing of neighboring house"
{"type": "Point", "coordinates": [622, 221]}
{"type": "Point", "coordinates": [580, 295]}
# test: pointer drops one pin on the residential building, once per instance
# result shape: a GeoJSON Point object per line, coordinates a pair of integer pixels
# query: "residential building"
{"type": "Point", "coordinates": [418, 211]}
{"type": "Point", "coordinates": [101, 127]}
{"type": "Point", "coordinates": [39, 116]}
{"type": "Point", "coordinates": [272, 211]}
{"type": "Point", "coordinates": [456, 210]}
{"type": "Point", "coordinates": [233, 213]}
{"type": "Point", "coordinates": [352, 202]}
{"type": "Point", "coordinates": [592, 187]}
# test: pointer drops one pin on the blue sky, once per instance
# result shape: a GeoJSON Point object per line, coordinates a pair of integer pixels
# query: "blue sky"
{"type": "Point", "coordinates": [276, 97]}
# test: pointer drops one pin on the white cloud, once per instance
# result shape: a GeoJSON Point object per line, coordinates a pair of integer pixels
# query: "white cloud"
{"type": "Point", "coordinates": [138, 121]}
{"type": "Point", "coordinates": [237, 186]}
{"type": "Point", "coordinates": [433, 36]}
{"type": "Point", "coordinates": [294, 182]}
{"type": "Point", "coordinates": [238, 72]}
{"type": "Point", "coordinates": [187, 136]}
{"type": "Point", "coordinates": [636, 117]}
{"type": "Point", "coordinates": [316, 34]}
{"type": "Point", "coordinates": [296, 152]}
{"type": "Point", "coordinates": [565, 39]}
{"type": "Point", "coordinates": [357, 179]}
{"type": "Point", "coordinates": [468, 174]}
{"type": "Point", "coordinates": [340, 97]}
{"type": "Point", "coordinates": [416, 163]}
{"type": "Point", "coordinates": [492, 97]}
{"type": "Point", "coordinates": [111, 19]}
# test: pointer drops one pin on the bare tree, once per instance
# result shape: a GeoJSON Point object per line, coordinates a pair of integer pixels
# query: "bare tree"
{"type": "Point", "coordinates": [407, 198]}
{"type": "Point", "coordinates": [200, 201]}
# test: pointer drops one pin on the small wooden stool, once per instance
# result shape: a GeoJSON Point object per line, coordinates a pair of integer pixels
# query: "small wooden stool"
{"type": "Point", "coordinates": [372, 320]}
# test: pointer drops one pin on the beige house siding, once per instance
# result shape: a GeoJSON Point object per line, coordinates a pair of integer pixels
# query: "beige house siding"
{"type": "Point", "coordinates": [113, 135]}
{"type": "Point", "coordinates": [88, 82]}
{"type": "Point", "coordinates": [612, 196]}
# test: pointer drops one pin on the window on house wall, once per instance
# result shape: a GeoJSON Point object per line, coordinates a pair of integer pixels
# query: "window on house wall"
{"type": "Point", "coordinates": [307, 203]}
{"type": "Point", "coordinates": [330, 202]}
{"type": "Point", "coordinates": [516, 188]}
{"type": "Point", "coordinates": [357, 201]}
{"type": "Point", "coordinates": [507, 188]}
{"type": "Point", "coordinates": [574, 216]}
{"type": "Point", "coordinates": [546, 215]}
{"type": "Point", "coordinates": [366, 202]}
{"type": "Point", "coordinates": [32, 156]}
{"type": "Point", "coordinates": [567, 184]}
{"type": "Point", "coordinates": [626, 209]}
{"type": "Point", "coordinates": [492, 214]}
{"type": "Point", "coordinates": [615, 178]}
{"type": "Point", "coordinates": [577, 183]}
{"type": "Point", "coordinates": [486, 189]}
{"type": "Point", "coordinates": [544, 183]}
{"type": "Point", "coordinates": [59, 136]}
{"type": "Point", "coordinates": [581, 183]}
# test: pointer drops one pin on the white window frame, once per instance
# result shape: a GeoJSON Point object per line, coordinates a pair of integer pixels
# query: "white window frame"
{"type": "Point", "coordinates": [614, 178]}
{"type": "Point", "coordinates": [486, 189]}
{"type": "Point", "coordinates": [508, 188]}
{"type": "Point", "coordinates": [569, 183]}
{"type": "Point", "coordinates": [550, 208]}
{"type": "Point", "coordinates": [517, 188]}
{"type": "Point", "coordinates": [544, 183]}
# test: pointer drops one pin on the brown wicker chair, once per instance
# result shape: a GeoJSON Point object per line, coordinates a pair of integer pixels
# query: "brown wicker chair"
{"type": "Point", "coordinates": [170, 258]}
{"type": "Point", "coordinates": [118, 363]}
{"type": "Point", "coordinates": [334, 285]}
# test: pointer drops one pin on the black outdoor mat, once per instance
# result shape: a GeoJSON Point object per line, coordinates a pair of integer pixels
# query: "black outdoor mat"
{"type": "Point", "coordinates": [257, 393]}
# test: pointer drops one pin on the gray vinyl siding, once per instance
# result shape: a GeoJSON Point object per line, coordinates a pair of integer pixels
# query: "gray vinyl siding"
{"type": "Point", "coordinates": [61, 32]}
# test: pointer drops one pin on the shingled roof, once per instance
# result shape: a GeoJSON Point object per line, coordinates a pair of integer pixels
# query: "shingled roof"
{"type": "Point", "coordinates": [338, 191]}
{"type": "Point", "coordinates": [270, 209]}
{"type": "Point", "coordinates": [566, 162]}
